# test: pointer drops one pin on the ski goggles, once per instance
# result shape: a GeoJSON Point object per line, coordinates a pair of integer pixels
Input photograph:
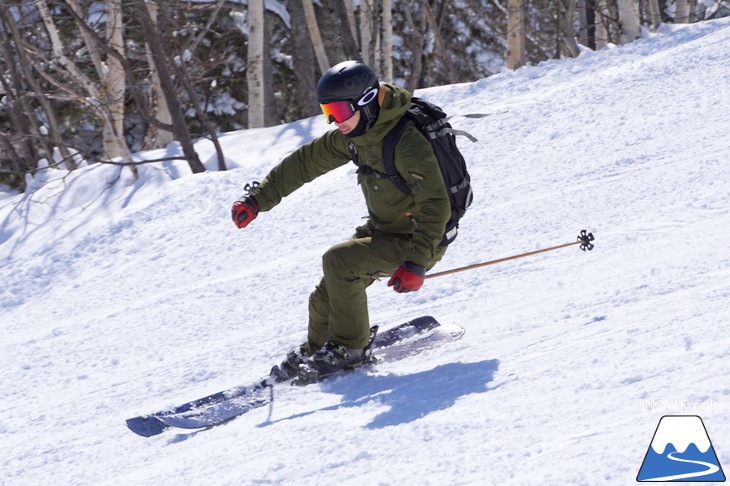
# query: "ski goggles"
{"type": "Point", "coordinates": [338, 111]}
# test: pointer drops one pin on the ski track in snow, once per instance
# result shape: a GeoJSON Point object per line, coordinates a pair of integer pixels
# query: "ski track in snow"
{"type": "Point", "coordinates": [126, 298]}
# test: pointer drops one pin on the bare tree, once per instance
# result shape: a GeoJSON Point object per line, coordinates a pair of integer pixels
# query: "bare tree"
{"type": "Point", "coordinates": [161, 59]}
{"type": "Point", "coordinates": [515, 55]}
{"type": "Point", "coordinates": [87, 89]}
{"type": "Point", "coordinates": [350, 14]}
{"type": "Point", "coordinates": [255, 69]}
{"type": "Point", "coordinates": [367, 37]}
{"type": "Point", "coordinates": [112, 75]}
{"type": "Point", "coordinates": [587, 23]}
{"type": "Point", "coordinates": [682, 11]}
{"type": "Point", "coordinates": [415, 36]}
{"type": "Point", "coordinates": [628, 15]}
{"type": "Point", "coordinates": [653, 14]}
{"type": "Point", "coordinates": [315, 35]}
{"type": "Point", "coordinates": [387, 55]}
{"type": "Point", "coordinates": [435, 21]}
{"type": "Point", "coordinates": [24, 162]}
{"type": "Point", "coordinates": [303, 63]}
{"type": "Point", "coordinates": [617, 21]}
{"type": "Point", "coordinates": [567, 36]}
{"type": "Point", "coordinates": [346, 33]}
{"type": "Point", "coordinates": [157, 137]}
{"type": "Point", "coordinates": [22, 143]}
{"type": "Point", "coordinates": [606, 22]}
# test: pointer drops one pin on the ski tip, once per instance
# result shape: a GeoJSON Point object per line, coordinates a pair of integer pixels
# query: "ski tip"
{"type": "Point", "coordinates": [456, 332]}
{"type": "Point", "coordinates": [147, 426]}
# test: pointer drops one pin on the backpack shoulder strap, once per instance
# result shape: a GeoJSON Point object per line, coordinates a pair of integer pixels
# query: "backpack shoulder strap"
{"type": "Point", "coordinates": [389, 143]}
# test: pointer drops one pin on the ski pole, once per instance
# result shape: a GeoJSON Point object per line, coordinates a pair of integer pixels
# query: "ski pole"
{"type": "Point", "coordinates": [584, 239]}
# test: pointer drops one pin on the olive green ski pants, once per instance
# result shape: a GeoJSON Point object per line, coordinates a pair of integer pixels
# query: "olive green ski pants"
{"type": "Point", "coordinates": [338, 310]}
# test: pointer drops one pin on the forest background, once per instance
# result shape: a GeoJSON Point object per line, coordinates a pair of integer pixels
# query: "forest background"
{"type": "Point", "coordinates": [96, 81]}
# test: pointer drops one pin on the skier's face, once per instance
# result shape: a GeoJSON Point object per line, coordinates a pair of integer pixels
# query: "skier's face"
{"type": "Point", "coordinates": [349, 125]}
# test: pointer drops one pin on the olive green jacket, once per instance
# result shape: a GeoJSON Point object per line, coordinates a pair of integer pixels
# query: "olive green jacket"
{"type": "Point", "coordinates": [422, 214]}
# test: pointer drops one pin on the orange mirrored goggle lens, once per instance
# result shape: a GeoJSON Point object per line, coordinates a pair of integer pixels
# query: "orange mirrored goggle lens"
{"type": "Point", "coordinates": [338, 111]}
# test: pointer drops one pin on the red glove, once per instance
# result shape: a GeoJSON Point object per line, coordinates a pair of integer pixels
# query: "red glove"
{"type": "Point", "coordinates": [244, 211]}
{"type": "Point", "coordinates": [408, 278]}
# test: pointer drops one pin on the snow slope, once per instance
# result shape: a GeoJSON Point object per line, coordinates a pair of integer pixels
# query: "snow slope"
{"type": "Point", "coordinates": [125, 298]}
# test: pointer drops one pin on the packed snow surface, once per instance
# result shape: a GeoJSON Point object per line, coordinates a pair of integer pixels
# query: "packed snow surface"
{"type": "Point", "coordinates": [120, 297]}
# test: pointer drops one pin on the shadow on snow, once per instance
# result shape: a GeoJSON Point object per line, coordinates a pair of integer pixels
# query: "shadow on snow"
{"type": "Point", "coordinates": [410, 397]}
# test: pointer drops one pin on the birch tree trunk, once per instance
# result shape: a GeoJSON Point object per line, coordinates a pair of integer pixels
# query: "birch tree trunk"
{"type": "Point", "coordinates": [567, 28]}
{"type": "Point", "coordinates": [255, 68]}
{"type": "Point", "coordinates": [317, 43]}
{"type": "Point", "coordinates": [655, 19]}
{"type": "Point", "coordinates": [95, 98]}
{"type": "Point", "coordinates": [366, 32]}
{"type": "Point", "coordinates": [601, 23]}
{"type": "Point", "coordinates": [515, 55]}
{"type": "Point", "coordinates": [94, 54]}
{"type": "Point", "coordinates": [111, 77]}
{"type": "Point", "coordinates": [113, 80]}
{"type": "Point", "coordinates": [682, 13]}
{"type": "Point", "coordinates": [693, 11]}
{"type": "Point", "coordinates": [387, 70]}
{"type": "Point", "coordinates": [628, 17]}
{"type": "Point", "coordinates": [271, 114]}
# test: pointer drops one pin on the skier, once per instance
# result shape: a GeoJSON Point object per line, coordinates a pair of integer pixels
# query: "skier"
{"type": "Point", "coordinates": [402, 234]}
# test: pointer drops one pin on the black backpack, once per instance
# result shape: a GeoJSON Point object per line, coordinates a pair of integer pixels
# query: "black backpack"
{"type": "Point", "coordinates": [431, 121]}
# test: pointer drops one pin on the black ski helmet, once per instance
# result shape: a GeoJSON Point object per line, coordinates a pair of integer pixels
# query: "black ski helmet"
{"type": "Point", "coordinates": [352, 81]}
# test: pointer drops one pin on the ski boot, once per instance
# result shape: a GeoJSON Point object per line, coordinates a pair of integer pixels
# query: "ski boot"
{"type": "Point", "coordinates": [331, 358]}
{"type": "Point", "coordinates": [289, 368]}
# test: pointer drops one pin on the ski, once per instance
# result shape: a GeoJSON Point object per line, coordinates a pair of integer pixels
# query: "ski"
{"type": "Point", "coordinates": [393, 344]}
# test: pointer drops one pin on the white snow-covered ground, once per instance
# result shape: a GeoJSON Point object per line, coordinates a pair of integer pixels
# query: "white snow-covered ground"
{"type": "Point", "coordinates": [122, 299]}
